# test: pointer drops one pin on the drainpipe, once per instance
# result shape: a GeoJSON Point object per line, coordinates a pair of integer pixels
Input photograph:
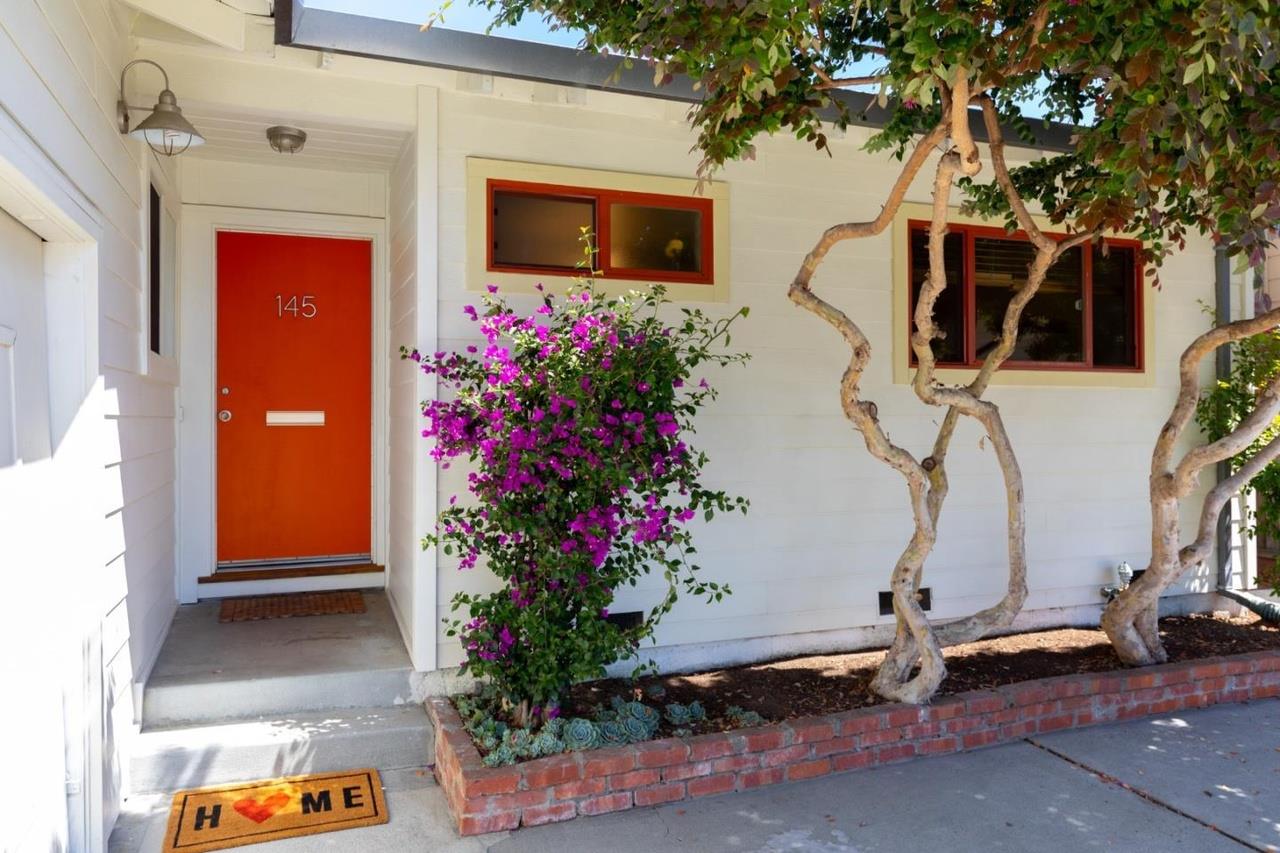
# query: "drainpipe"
{"type": "Point", "coordinates": [1266, 608]}
{"type": "Point", "coordinates": [1222, 371]}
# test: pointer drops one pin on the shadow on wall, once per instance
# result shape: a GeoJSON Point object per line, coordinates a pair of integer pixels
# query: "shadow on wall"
{"type": "Point", "coordinates": [55, 442]}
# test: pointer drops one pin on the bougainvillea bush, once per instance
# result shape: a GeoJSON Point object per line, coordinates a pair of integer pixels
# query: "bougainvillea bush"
{"type": "Point", "coordinates": [576, 422]}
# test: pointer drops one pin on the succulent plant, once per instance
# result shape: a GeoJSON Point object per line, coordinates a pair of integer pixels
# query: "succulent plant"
{"type": "Point", "coordinates": [696, 712]}
{"type": "Point", "coordinates": [650, 717]}
{"type": "Point", "coordinates": [545, 743]}
{"type": "Point", "coordinates": [500, 756]}
{"type": "Point", "coordinates": [581, 734]}
{"type": "Point", "coordinates": [639, 711]}
{"type": "Point", "coordinates": [554, 727]}
{"type": "Point", "coordinates": [678, 715]}
{"type": "Point", "coordinates": [741, 717]}
{"type": "Point", "coordinates": [637, 729]}
{"type": "Point", "coordinates": [656, 691]}
{"type": "Point", "coordinates": [518, 740]}
{"type": "Point", "coordinates": [486, 730]}
{"type": "Point", "coordinates": [612, 733]}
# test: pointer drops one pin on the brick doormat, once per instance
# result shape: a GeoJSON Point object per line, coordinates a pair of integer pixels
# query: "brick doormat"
{"type": "Point", "coordinates": [294, 604]}
{"type": "Point", "coordinates": [253, 812]}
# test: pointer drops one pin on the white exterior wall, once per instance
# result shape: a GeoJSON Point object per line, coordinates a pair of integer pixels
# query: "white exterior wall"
{"type": "Point", "coordinates": [404, 531]}
{"type": "Point", "coordinates": [59, 65]}
{"type": "Point", "coordinates": [411, 571]}
{"type": "Point", "coordinates": [827, 521]}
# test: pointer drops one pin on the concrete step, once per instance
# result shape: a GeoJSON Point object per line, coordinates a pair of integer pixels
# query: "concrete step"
{"type": "Point", "coordinates": [210, 671]}
{"type": "Point", "coordinates": [168, 758]}
{"type": "Point", "coordinates": [172, 701]}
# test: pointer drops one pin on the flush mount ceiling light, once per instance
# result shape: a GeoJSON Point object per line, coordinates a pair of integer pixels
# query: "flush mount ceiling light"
{"type": "Point", "coordinates": [285, 139]}
{"type": "Point", "coordinates": [165, 130]}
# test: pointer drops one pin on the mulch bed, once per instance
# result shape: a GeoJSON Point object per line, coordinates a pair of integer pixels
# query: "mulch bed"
{"type": "Point", "coordinates": [823, 684]}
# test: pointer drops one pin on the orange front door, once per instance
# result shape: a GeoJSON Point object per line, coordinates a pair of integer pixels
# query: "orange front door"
{"type": "Point", "coordinates": [293, 397]}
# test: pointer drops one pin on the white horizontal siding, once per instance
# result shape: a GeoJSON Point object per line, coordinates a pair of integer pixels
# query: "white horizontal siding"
{"type": "Point", "coordinates": [405, 528]}
{"type": "Point", "coordinates": [828, 521]}
{"type": "Point", "coordinates": [60, 62]}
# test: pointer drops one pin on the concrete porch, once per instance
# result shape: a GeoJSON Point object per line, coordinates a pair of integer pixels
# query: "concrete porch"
{"type": "Point", "coordinates": [210, 671]}
{"type": "Point", "coordinates": [247, 700]}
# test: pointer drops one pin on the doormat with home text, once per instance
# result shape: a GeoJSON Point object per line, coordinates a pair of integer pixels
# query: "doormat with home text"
{"type": "Point", "coordinates": [253, 812]}
{"type": "Point", "coordinates": [293, 604]}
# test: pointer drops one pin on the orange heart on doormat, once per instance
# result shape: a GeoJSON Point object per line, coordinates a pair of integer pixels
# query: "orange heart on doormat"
{"type": "Point", "coordinates": [260, 811]}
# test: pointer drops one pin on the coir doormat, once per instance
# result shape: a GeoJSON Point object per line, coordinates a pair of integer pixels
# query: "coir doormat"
{"type": "Point", "coordinates": [293, 604]}
{"type": "Point", "coordinates": [253, 812]}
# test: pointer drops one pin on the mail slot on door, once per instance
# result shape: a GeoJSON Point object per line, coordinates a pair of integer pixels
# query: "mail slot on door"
{"type": "Point", "coordinates": [295, 418]}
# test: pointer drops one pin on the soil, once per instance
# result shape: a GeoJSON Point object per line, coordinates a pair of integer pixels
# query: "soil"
{"type": "Point", "coordinates": [823, 684]}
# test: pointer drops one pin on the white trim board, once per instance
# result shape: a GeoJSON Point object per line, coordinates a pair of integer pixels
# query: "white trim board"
{"type": "Point", "coordinates": [323, 583]}
{"type": "Point", "coordinates": [424, 651]}
{"type": "Point", "coordinates": [197, 335]}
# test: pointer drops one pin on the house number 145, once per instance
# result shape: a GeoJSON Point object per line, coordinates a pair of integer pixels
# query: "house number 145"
{"type": "Point", "coordinates": [304, 307]}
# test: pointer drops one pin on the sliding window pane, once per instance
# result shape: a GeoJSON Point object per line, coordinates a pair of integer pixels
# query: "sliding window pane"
{"type": "Point", "coordinates": [540, 231]}
{"type": "Point", "coordinates": [645, 237]}
{"type": "Point", "coordinates": [1115, 341]}
{"type": "Point", "coordinates": [948, 311]}
{"type": "Point", "coordinates": [1052, 327]}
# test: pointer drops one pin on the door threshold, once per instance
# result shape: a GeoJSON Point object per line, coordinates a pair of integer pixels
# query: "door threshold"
{"type": "Point", "coordinates": [234, 575]}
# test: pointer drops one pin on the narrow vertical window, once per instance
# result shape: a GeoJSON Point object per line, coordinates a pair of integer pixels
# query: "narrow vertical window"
{"type": "Point", "coordinates": [1115, 311]}
{"type": "Point", "coordinates": [154, 266]}
{"type": "Point", "coordinates": [948, 311]}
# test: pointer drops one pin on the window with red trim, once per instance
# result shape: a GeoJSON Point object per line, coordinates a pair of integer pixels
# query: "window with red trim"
{"type": "Point", "coordinates": [538, 228]}
{"type": "Point", "coordinates": [1087, 314]}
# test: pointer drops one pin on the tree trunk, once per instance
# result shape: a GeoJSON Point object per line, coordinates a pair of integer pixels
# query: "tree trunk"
{"type": "Point", "coordinates": [916, 641]}
{"type": "Point", "coordinates": [1130, 621]}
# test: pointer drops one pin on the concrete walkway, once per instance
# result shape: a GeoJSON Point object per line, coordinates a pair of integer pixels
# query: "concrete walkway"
{"type": "Point", "coordinates": [1200, 781]}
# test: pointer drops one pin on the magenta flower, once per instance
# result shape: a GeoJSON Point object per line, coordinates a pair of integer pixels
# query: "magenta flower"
{"type": "Point", "coordinates": [577, 476]}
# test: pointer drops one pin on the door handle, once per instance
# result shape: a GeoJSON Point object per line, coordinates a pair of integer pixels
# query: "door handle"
{"type": "Point", "coordinates": [224, 415]}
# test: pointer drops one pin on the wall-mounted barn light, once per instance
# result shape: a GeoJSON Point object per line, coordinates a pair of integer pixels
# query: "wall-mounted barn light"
{"type": "Point", "coordinates": [165, 130]}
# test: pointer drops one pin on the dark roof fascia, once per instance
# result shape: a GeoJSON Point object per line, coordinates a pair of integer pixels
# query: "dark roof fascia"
{"type": "Point", "coordinates": [437, 47]}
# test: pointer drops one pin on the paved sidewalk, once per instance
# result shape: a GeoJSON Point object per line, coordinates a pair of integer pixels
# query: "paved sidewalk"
{"type": "Point", "coordinates": [1200, 781]}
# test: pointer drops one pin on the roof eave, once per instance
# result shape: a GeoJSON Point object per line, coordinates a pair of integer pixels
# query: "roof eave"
{"type": "Point", "coordinates": [395, 41]}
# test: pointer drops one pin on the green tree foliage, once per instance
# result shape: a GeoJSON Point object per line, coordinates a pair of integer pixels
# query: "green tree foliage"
{"type": "Point", "coordinates": [1177, 101]}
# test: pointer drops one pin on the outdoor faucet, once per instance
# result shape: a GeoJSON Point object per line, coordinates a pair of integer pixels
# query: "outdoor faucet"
{"type": "Point", "coordinates": [1124, 575]}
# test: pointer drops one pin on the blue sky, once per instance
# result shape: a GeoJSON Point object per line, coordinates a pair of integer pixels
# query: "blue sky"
{"type": "Point", "coordinates": [458, 16]}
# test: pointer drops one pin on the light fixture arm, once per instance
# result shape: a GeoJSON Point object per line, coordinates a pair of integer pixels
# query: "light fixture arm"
{"type": "Point", "coordinates": [122, 105]}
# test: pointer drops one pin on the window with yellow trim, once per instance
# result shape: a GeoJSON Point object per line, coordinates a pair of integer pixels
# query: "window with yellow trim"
{"type": "Point", "coordinates": [1087, 314]}
{"type": "Point", "coordinates": [525, 222]}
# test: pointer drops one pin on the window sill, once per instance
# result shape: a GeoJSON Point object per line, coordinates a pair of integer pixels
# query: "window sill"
{"type": "Point", "coordinates": [1030, 377]}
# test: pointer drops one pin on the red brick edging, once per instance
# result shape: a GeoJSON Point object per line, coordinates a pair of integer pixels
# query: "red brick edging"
{"type": "Point", "coordinates": [561, 787]}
